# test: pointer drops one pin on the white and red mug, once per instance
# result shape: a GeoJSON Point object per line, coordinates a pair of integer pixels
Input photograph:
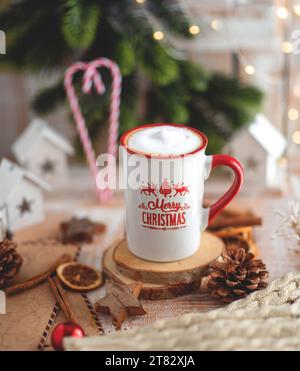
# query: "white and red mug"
{"type": "Point", "coordinates": [165, 188]}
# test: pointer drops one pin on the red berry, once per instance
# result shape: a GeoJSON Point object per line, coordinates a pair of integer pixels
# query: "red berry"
{"type": "Point", "coordinates": [67, 329]}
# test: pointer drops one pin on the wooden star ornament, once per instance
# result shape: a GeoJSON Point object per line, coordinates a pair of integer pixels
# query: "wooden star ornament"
{"type": "Point", "coordinates": [121, 301]}
{"type": "Point", "coordinates": [80, 230]}
{"type": "Point", "coordinates": [25, 207]}
{"type": "Point", "coordinates": [48, 167]}
{"type": "Point", "coordinates": [251, 163]}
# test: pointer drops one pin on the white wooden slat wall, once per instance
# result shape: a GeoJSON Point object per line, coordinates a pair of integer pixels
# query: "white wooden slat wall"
{"type": "Point", "coordinates": [13, 109]}
{"type": "Point", "coordinates": [16, 93]}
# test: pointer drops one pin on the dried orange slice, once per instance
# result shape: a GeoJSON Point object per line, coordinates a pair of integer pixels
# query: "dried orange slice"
{"type": "Point", "coordinates": [79, 277]}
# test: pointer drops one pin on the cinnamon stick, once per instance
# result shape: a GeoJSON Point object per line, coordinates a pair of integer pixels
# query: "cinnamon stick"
{"type": "Point", "coordinates": [60, 296]}
{"type": "Point", "coordinates": [233, 211]}
{"type": "Point", "coordinates": [35, 281]}
{"type": "Point", "coordinates": [236, 221]}
{"type": "Point", "coordinates": [234, 231]}
{"type": "Point", "coordinates": [253, 247]}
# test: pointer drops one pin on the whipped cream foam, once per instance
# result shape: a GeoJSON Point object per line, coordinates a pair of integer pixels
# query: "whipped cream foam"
{"type": "Point", "coordinates": [164, 140]}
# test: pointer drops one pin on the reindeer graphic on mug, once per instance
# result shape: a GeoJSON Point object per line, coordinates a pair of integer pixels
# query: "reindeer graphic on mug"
{"type": "Point", "coordinates": [149, 189]}
{"type": "Point", "coordinates": [165, 189]}
{"type": "Point", "coordinates": [181, 189]}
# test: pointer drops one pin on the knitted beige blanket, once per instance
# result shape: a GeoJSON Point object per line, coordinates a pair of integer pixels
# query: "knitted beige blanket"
{"type": "Point", "coordinates": [265, 320]}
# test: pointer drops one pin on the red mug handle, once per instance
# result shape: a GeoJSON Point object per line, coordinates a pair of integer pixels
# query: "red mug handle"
{"type": "Point", "coordinates": [232, 163]}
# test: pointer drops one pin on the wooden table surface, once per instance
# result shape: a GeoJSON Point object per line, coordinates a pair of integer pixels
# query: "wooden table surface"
{"type": "Point", "coordinates": [77, 198]}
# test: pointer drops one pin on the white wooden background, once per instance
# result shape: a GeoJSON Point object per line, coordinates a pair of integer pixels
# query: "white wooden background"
{"type": "Point", "coordinates": [16, 95]}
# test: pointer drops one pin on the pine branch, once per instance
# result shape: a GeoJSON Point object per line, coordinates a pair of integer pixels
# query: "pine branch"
{"type": "Point", "coordinates": [158, 65]}
{"type": "Point", "coordinates": [48, 99]}
{"type": "Point", "coordinates": [195, 76]}
{"type": "Point", "coordinates": [52, 34]}
{"type": "Point", "coordinates": [171, 16]}
{"type": "Point", "coordinates": [238, 102]}
{"type": "Point", "coordinates": [34, 40]}
{"type": "Point", "coordinates": [79, 23]}
{"type": "Point", "coordinates": [130, 100]}
{"type": "Point", "coordinates": [126, 57]}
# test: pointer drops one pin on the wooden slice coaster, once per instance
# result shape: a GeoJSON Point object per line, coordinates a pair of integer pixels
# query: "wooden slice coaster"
{"type": "Point", "coordinates": [149, 291]}
{"type": "Point", "coordinates": [183, 271]}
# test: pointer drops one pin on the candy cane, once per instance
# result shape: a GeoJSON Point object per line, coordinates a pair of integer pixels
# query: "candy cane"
{"type": "Point", "coordinates": [93, 77]}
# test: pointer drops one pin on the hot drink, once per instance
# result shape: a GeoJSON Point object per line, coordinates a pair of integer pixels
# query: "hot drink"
{"type": "Point", "coordinates": [164, 140]}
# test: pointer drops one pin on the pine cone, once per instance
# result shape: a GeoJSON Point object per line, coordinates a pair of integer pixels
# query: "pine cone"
{"type": "Point", "coordinates": [237, 274]}
{"type": "Point", "coordinates": [10, 262]}
{"type": "Point", "coordinates": [237, 242]}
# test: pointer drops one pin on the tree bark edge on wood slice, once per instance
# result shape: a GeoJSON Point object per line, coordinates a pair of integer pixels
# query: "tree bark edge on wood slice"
{"type": "Point", "coordinates": [174, 273]}
{"type": "Point", "coordinates": [149, 291]}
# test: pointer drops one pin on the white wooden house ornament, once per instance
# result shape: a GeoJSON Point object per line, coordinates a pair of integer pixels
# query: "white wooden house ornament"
{"type": "Point", "coordinates": [44, 152]}
{"type": "Point", "coordinates": [21, 196]}
{"type": "Point", "coordinates": [260, 148]}
{"type": "Point", "coordinates": [4, 227]}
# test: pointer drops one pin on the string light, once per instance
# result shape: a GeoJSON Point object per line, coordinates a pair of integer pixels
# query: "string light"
{"type": "Point", "coordinates": [293, 114]}
{"type": "Point", "coordinates": [216, 24]}
{"type": "Point", "coordinates": [296, 137]}
{"type": "Point", "coordinates": [194, 30]}
{"type": "Point", "coordinates": [296, 9]}
{"type": "Point", "coordinates": [249, 69]}
{"type": "Point", "coordinates": [140, 1]}
{"type": "Point", "coordinates": [158, 35]}
{"type": "Point", "coordinates": [286, 47]}
{"type": "Point", "coordinates": [282, 12]}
